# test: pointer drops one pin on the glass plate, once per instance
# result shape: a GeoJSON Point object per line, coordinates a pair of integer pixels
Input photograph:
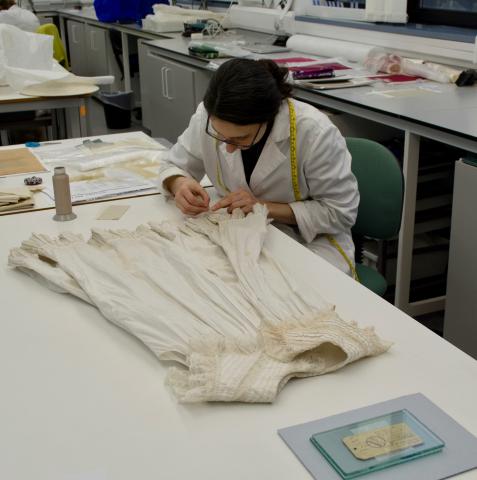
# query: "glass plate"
{"type": "Point", "coordinates": [377, 443]}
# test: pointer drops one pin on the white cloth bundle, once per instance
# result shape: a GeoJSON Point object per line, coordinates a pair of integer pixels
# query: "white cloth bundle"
{"type": "Point", "coordinates": [429, 70]}
{"type": "Point", "coordinates": [207, 295]}
{"type": "Point", "coordinates": [167, 18]}
{"type": "Point", "coordinates": [26, 59]}
{"type": "Point", "coordinates": [21, 18]}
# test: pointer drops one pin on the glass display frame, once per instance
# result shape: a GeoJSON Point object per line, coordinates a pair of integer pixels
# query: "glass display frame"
{"type": "Point", "coordinates": [378, 443]}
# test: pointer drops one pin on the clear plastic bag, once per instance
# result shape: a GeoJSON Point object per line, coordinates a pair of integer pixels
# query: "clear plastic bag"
{"type": "Point", "coordinates": [26, 59]}
{"type": "Point", "coordinates": [380, 61]}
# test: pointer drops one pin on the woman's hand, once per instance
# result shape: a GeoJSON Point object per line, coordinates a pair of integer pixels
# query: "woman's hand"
{"type": "Point", "coordinates": [191, 198]}
{"type": "Point", "coordinates": [239, 199]}
{"type": "Point", "coordinates": [280, 212]}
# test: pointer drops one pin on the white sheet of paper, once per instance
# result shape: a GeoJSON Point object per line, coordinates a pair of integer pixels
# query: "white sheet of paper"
{"type": "Point", "coordinates": [93, 190]}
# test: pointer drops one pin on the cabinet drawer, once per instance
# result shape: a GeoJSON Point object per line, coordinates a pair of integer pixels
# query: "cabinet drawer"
{"type": "Point", "coordinates": [168, 93]}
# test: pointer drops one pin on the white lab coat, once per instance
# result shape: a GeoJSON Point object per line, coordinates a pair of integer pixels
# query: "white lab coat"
{"type": "Point", "coordinates": [327, 185]}
{"type": "Point", "coordinates": [21, 18]}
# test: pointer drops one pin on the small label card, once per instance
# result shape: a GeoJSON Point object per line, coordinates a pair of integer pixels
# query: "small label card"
{"type": "Point", "coordinates": [381, 441]}
{"type": "Point", "coordinates": [113, 212]}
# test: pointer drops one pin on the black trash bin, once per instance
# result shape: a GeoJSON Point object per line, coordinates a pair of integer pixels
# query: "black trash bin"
{"type": "Point", "coordinates": [117, 109]}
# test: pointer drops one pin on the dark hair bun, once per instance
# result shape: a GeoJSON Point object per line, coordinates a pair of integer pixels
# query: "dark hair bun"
{"type": "Point", "coordinates": [244, 91]}
{"type": "Point", "coordinates": [280, 74]}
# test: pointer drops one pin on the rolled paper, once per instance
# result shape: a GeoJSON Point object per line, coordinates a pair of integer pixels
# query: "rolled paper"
{"type": "Point", "coordinates": [328, 47]}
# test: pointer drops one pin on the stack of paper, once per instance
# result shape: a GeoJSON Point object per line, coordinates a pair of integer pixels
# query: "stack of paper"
{"type": "Point", "coordinates": [15, 198]}
{"type": "Point", "coordinates": [105, 188]}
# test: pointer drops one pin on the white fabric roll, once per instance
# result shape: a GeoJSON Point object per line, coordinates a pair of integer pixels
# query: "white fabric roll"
{"type": "Point", "coordinates": [115, 158]}
{"type": "Point", "coordinates": [411, 67]}
{"type": "Point", "coordinates": [328, 47]}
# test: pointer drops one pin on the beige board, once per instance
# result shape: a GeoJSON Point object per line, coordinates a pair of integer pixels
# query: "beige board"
{"type": "Point", "coordinates": [17, 161]}
{"type": "Point", "coordinates": [59, 89]}
{"type": "Point", "coordinates": [113, 212]}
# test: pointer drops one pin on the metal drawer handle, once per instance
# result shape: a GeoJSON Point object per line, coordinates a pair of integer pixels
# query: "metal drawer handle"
{"type": "Point", "coordinates": [73, 31]}
{"type": "Point", "coordinates": [167, 84]}
{"type": "Point", "coordinates": [163, 82]}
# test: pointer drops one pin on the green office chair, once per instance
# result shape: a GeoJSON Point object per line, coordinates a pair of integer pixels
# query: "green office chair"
{"type": "Point", "coordinates": [381, 188]}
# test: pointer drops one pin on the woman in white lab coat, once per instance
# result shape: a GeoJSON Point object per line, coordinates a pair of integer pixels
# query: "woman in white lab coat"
{"type": "Point", "coordinates": [256, 144]}
{"type": "Point", "coordinates": [11, 14]}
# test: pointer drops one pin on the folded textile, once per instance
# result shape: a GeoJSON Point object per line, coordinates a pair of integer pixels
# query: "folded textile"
{"type": "Point", "coordinates": [14, 194]}
{"type": "Point", "coordinates": [116, 158]}
{"type": "Point", "coordinates": [15, 198]}
{"type": "Point", "coordinates": [207, 294]}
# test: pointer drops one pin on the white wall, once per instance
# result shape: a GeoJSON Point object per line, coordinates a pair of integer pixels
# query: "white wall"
{"type": "Point", "coordinates": [444, 51]}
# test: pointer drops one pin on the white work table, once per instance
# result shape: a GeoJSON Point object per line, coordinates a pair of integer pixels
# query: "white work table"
{"type": "Point", "coordinates": [43, 201]}
{"type": "Point", "coordinates": [75, 107]}
{"type": "Point", "coordinates": [82, 399]}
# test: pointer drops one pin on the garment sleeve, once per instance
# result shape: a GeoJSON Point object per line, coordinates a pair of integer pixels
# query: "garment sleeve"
{"type": "Point", "coordinates": [333, 200]}
{"type": "Point", "coordinates": [185, 157]}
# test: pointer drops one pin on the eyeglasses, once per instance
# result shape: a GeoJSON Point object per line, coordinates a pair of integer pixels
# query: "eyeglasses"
{"type": "Point", "coordinates": [209, 130]}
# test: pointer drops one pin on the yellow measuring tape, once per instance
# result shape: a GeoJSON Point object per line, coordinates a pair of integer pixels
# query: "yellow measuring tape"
{"type": "Point", "coordinates": [219, 170]}
{"type": "Point", "coordinates": [293, 155]}
{"type": "Point", "coordinates": [296, 185]}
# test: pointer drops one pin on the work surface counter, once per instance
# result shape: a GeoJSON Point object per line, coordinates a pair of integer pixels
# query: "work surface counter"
{"type": "Point", "coordinates": [82, 399]}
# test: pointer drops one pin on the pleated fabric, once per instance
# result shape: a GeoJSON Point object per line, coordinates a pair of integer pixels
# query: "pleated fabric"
{"type": "Point", "coordinates": [208, 295]}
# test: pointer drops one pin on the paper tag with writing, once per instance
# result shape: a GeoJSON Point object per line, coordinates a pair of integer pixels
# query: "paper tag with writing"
{"type": "Point", "coordinates": [381, 441]}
